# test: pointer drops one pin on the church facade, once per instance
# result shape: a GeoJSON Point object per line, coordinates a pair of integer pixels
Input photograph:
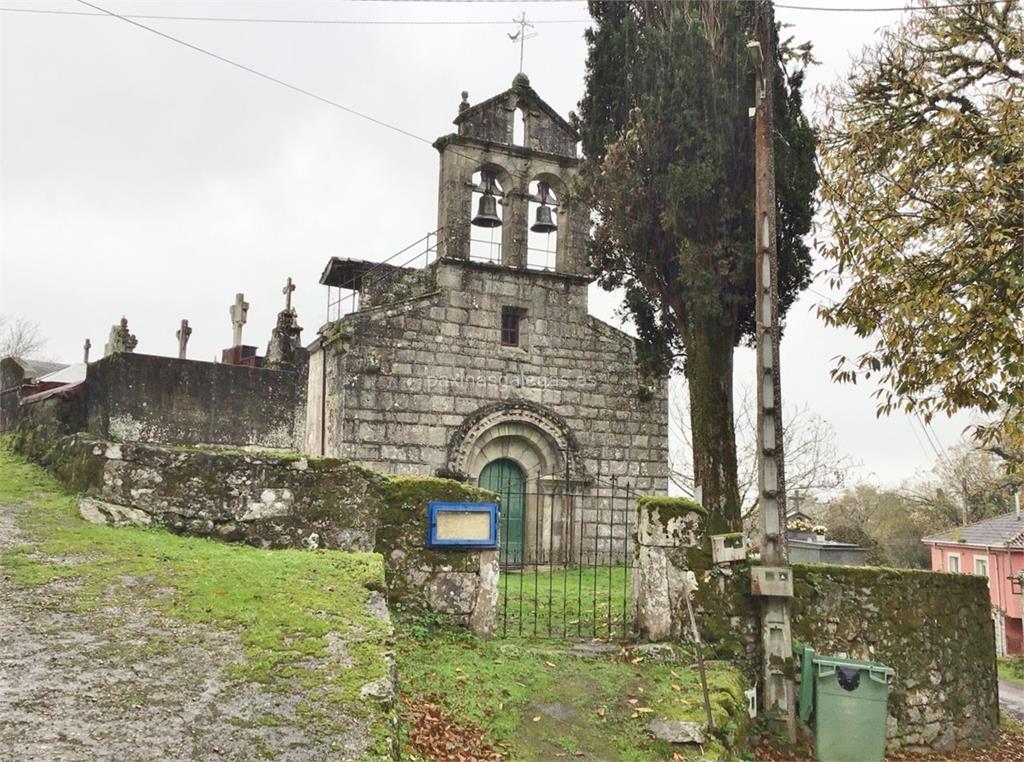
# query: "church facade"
{"type": "Point", "coordinates": [485, 365]}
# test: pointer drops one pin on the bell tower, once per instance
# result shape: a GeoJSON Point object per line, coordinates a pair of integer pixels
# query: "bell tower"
{"type": "Point", "coordinates": [513, 154]}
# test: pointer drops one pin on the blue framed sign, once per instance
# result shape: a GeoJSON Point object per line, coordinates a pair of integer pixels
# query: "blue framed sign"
{"type": "Point", "coordinates": [462, 525]}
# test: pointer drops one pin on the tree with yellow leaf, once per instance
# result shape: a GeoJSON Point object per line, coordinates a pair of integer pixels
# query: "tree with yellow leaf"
{"type": "Point", "coordinates": [922, 178]}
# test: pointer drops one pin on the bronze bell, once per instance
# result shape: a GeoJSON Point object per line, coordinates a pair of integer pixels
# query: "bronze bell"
{"type": "Point", "coordinates": [487, 212]}
{"type": "Point", "coordinates": [545, 222]}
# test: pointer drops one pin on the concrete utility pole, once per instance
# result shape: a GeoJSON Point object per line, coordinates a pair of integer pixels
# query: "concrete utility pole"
{"type": "Point", "coordinates": [772, 580]}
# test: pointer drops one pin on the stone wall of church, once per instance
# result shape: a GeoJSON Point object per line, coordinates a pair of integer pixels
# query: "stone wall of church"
{"type": "Point", "coordinates": [145, 398]}
{"type": "Point", "coordinates": [401, 380]}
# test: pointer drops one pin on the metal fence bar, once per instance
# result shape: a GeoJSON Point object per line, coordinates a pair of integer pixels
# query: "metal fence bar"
{"type": "Point", "coordinates": [608, 556]}
{"type": "Point", "coordinates": [504, 588]}
{"type": "Point", "coordinates": [551, 558]}
{"type": "Point", "coordinates": [538, 546]}
{"type": "Point", "coordinates": [579, 583]}
{"type": "Point", "coordinates": [568, 507]}
{"type": "Point", "coordinates": [593, 599]}
{"type": "Point", "coordinates": [565, 562]}
{"type": "Point", "coordinates": [627, 571]}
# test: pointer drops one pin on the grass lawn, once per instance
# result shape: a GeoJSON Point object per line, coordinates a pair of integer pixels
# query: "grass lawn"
{"type": "Point", "coordinates": [1011, 668]}
{"type": "Point", "coordinates": [539, 702]}
{"type": "Point", "coordinates": [573, 602]}
{"type": "Point", "coordinates": [283, 603]}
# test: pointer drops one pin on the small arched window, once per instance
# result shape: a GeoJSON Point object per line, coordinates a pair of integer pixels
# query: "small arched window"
{"type": "Point", "coordinates": [519, 127]}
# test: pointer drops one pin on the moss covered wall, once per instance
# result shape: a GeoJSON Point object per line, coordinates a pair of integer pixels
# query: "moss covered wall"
{"type": "Point", "coordinates": [463, 584]}
{"type": "Point", "coordinates": [279, 500]}
{"type": "Point", "coordinates": [934, 629]}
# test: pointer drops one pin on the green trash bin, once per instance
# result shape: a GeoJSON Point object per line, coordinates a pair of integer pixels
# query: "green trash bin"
{"type": "Point", "coordinates": [850, 701]}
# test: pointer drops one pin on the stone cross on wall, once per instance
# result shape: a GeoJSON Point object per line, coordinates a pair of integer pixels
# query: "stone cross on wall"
{"type": "Point", "coordinates": [85, 348]}
{"type": "Point", "coordinates": [287, 291]}
{"type": "Point", "coordinates": [238, 311]}
{"type": "Point", "coordinates": [121, 339]}
{"type": "Point", "coordinates": [182, 334]}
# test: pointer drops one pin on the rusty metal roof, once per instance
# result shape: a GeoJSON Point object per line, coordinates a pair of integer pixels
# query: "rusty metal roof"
{"type": "Point", "coordinates": [342, 272]}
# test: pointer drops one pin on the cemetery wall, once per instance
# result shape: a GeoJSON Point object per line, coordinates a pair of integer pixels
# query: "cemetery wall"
{"type": "Point", "coordinates": [934, 629]}
{"type": "Point", "coordinates": [279, 500]}
{"type": "Point", "coordinates": [145, 398]}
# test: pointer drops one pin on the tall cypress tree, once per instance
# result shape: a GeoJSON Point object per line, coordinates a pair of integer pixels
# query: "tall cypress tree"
{"type": "Point", "coordinates": [669, 173]}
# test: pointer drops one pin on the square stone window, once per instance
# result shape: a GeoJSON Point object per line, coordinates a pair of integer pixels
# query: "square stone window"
{"type": "Point", "coordinates": [511, 319]}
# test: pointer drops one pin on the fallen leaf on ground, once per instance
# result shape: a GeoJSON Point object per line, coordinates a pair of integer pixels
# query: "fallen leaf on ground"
{"type": "Point", "coordinates": [432, 735]}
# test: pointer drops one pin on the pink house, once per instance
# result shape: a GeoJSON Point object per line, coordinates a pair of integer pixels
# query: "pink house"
{"type": "Point", "coordinates": [993, 548]}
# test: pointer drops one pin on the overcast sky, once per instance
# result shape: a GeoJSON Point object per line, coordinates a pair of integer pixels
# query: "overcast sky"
{"type": "Point", "coordinates": [141, 178]}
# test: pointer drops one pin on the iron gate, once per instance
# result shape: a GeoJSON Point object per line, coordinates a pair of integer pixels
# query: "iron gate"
{"type": "Point", "coordinates": [566, 555]}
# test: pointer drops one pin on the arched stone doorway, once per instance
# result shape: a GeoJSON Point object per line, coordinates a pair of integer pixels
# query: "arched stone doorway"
{"type": "Point", "coordinates": [506, 478]}
{"type": "Point", "coordinates": [523, 444]}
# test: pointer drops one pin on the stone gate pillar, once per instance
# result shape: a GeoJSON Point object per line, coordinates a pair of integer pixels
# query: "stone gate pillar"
{"type": "Point", "coordinates": [666, 528]}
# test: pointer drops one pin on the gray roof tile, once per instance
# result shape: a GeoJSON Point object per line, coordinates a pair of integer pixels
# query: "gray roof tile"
{"type": "Point", "coordinates": [1001, 530]}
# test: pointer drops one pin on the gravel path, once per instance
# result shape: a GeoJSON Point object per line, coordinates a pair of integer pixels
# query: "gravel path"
{"type": "Point", "coordinates": [126, 685]}
{"type": "Point", "coordinates": [1011, 698]}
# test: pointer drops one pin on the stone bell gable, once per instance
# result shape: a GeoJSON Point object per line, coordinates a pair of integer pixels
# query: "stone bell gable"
{"type": "Point", "coordinates": [484, 146]}
{"type": "Point", "coordinates": [492, 121]}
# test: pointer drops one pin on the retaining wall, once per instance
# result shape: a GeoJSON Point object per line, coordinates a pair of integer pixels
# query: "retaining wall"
{"type": "Point", "coordinates": [282, 500]}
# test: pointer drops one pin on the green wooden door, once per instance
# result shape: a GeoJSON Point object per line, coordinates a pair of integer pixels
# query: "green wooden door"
{"type": "Point", "coordinates": [506, 478]}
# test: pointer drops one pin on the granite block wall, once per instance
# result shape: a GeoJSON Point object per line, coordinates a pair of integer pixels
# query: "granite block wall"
{"type": "Point", "coordinates": [145, 398]}
{"type": "Point", "coordinates": [934, 629]}
{"type": "Point", "coordinates": [398, 382]}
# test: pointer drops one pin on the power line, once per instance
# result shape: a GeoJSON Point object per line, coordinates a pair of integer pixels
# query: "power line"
{"type": "Point", "coordinates": [275, 80]}
{"type": "Point", "coordinates": [826, 9]}
{"type": "Point", "coordinates": [337, 22]}
{"type": "Point", "coordinates": [261, 75]}
{"type": "Point", "coordinates": [467, 22]}
{"type": "Point", "coordinates": [917, 438]}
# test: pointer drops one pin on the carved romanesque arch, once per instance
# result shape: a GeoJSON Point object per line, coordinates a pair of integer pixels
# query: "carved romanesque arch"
{"type": "Point", "coordinates": [539, 440]}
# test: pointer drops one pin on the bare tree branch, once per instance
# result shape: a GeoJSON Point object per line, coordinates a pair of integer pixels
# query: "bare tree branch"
{"type": "Point", "coordinates": [19, 337]}
{"type": "Point", "coordinates": [814, 466]}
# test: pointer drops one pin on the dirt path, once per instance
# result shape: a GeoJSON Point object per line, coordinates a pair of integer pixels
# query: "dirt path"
{"type": "Point", "coordinates": [118, 684]}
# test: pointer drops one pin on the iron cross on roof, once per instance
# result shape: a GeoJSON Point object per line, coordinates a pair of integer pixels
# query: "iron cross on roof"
{"type": "Point", "coordinates": [522, 36]}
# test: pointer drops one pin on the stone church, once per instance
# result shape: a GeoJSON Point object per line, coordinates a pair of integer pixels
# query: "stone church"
{"type": "Point", "coordinates": [480, 361]}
